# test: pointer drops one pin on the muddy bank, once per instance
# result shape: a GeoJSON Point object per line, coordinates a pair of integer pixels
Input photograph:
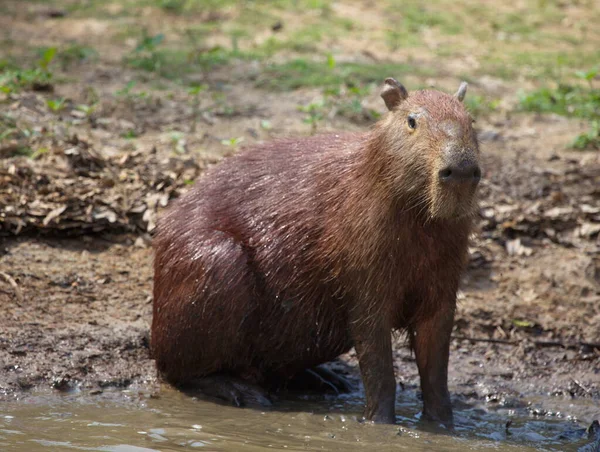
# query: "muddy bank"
{"type": "Point", "coordinates": [83, 326]}
{"type": "Point", "coordinates": [78, 209]}
{"type": "Point", "coordinates": [76, 226]}
{"type": "Point", "coordinates": [77, 223]}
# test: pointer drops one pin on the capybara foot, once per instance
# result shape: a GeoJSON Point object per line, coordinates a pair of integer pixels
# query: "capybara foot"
{"type": "Point", "coordinates": [444, 417]}
{"type": "Point", "coordinates": [234, 390]}
{"type": "Point", "coordinates": [320, 379]}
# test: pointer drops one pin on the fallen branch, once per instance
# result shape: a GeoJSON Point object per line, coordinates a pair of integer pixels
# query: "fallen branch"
{"type": "Point", "coordinates": [492, 341]}
{"type": "Point", "coordinates": [580, 386]}
{"type": "Point", "coordinates": [14, 285]}
{"type": "Point", "coordinates": [541, 344]}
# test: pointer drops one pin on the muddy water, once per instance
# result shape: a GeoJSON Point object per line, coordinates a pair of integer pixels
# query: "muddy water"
{"type": "Point", "coordinates": [130, 421]}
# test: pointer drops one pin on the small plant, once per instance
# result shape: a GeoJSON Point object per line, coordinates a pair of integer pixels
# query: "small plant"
{"type": "Point", "coordinates": [315, 112]}
{"type": "Point", "coordinates": [146, 55]}
{"type": "Point", "coordinates": [47, 55]}
{"type": "Point", "coordinates": [8, 127]}
{"type": "Point", "coordinates": [22, 151]}
{"type": "Point", "coordinates": [232, 142]}
{"type": "Point", "coordinates": [14, 138]}
{"type": "Point", "coordinates": [330, 61]}
{"type": "Point", "coordinates": [130, 134]}
{"type": "Point", "coordinates": [149, 43]}
{"type": "Point", "coordinates": [38, 78]}
{"type": "Point", "coordinates": [194, 92]}
{"type": "Point", "coordinates": [130, 96]}
{"type": "Point", "coordinates": [590, 139]}
{"type": "Point", "coordinates": [126, 90]}
{"type": "Point", "coordinates": [56, 105]}
{"type": "Point", "coordinates": [74, 53]}
{"type": "Point", "coordinates": [588, 76]}
{"type": "Point", "coordinates": [178, 142]}
{"type": "Point", "coordinates": [17, 136]}
{"type": "Point", "coordinates": [236, 35]}
{"type": "Point", "coordinates": [91, 96]}
{"type": "Point", "coordinates": [350, 104]}
{"type": "Point", "coordinates": [87, 110]}
{"type": "Point", "coordinates": [39, 152]}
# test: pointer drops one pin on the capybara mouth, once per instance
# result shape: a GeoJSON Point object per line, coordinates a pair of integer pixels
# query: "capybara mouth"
{"type": "Point", "coordinates": [453, 202]}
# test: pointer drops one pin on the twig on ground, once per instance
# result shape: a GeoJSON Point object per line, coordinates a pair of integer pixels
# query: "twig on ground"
{"type": "Point", "coordinates": [477, 339]}
{"type": "Point", "coordinates": [548, 344]}
{"type": "Point", "coordinates": [580, 386]}
{"type": "Point", "coordinates": [14, 285]}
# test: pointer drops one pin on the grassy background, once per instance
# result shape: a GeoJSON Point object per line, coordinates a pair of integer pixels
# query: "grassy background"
{"type": "Point", "coordinates": [530, 56]}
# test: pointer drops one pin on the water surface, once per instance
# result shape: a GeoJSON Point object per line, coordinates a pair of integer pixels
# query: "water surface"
{"type": "Point", "coordinates": [130, 421]}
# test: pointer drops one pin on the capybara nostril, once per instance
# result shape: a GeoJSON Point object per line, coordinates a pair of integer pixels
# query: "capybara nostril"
{"type": "Point", "coordinates": [445, 174]}
{"type": "Point", "coordinates": [460, 173]}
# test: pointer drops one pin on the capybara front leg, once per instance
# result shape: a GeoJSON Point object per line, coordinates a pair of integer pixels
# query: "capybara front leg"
{"type": "Point", "coordinates": [431, 342]}
{"type": "Point", "coordinates": [234, 390]}
{"type": "Point", "coordinates": [373, 344]}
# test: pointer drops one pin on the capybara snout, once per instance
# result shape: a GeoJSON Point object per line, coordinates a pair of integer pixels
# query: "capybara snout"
{"type": "Point", "coordinates": [465, 171]}
{"type": "Point", "coordinates": [290, 253]}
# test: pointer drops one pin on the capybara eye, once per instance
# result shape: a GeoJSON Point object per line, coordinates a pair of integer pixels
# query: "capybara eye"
{"type": "Point", "coordinates": [412, 122]}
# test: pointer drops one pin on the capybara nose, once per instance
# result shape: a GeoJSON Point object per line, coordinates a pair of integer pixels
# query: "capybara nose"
{"type": "Point", "coordinates": [464, 172]}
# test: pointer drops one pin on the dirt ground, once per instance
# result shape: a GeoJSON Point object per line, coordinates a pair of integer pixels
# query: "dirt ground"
{"type": "Point", "coordinates": [76, 224]}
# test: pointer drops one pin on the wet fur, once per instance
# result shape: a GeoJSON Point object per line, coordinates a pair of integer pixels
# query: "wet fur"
{"type": "Point", "coordinates": [261, 267]}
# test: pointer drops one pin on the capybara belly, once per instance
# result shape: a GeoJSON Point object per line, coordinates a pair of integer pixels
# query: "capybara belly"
{"type": "Point", "coordinates": [215, 314]}
{"type": "Point", "coordinates": [293, 338]}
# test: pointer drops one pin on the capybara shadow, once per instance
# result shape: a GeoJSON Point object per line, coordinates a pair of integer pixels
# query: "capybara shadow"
{"type": "Point", "coordinates": [319, 383]}
{"type": "Point", "coordinates": [290, 253]}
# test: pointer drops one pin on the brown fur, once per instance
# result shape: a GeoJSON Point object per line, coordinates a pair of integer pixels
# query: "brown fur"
{"type": "Point", "coordinates": [289, 253]}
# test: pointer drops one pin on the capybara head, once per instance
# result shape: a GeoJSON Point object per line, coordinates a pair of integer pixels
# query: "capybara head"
{"type": "Point", "coordinates": [433, 154]}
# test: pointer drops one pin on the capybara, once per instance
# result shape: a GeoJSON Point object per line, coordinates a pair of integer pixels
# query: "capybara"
{"type": "Point", "coordinates": [290, 253]}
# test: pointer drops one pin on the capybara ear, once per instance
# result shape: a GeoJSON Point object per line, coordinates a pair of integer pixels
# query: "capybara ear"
{"type": "Point", "coordinates": [393, 93]}
{"type": "Point", "coordinates": [462, 90]}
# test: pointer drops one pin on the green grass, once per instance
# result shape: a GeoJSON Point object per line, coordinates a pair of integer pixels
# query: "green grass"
{"type": "Point", "coordinates": [417, 16]}
{"type": "Point", "coordinates": [570, 100]}
{"type": "Point", "coordinates": [301, 73]}
{"type": "Point", "coordinates": [305, 40]}
{"type": "Point", "coordinates": [75, 53]}
{"type": "Point", "coordinates": [565, 100]}
{"type": "Point", "coordinates": [14, 80]}
{"type": "Point", "coordinates": [16, 136]}
{"type": "Point", "coordinates": [407, 20]}
{"type": "Point", "coordinates": [535, 65]}
{"type": "Point", "coordinates": [191, 6]}
{"type": "Point", "coordinates": [480, 105]}
{"type": "Point", "coordinates": [40, 76]}
{"type": "Point", "coordinates": [173, 63]}
{"type": "Point", "coordinates": [589, 139]}
{"type": "Point", "coordinates": [520, 41]}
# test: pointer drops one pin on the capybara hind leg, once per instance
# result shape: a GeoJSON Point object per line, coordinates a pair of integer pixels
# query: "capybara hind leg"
{"type": "Point", "coordinates": [234, 390]}
{"type": "Point", "coordinates": [373, 344]}
{"type": "Point", "coordinates": [319, 379]}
